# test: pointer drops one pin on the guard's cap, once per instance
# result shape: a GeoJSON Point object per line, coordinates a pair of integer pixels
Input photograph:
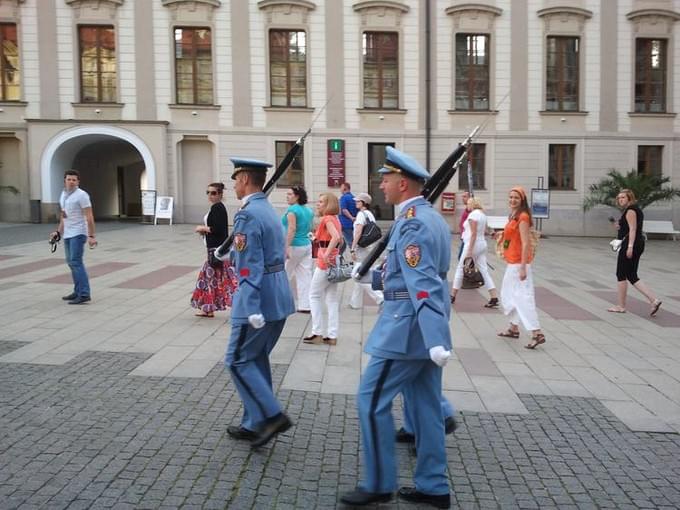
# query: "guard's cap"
{"type": "Point", "coordinates": [255, 165]}
{"type": "Point", "coordinates": [364, 197]}
{"type": "Point", "coordinates": [400, 162]}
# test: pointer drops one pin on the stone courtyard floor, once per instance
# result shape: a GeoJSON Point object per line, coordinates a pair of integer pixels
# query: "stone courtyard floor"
{"type": "Point", "coordinates": [124, 402]}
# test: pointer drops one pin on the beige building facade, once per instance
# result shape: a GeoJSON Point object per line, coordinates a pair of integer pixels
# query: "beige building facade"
{"type": "Point", "coordinates": [158, 94]}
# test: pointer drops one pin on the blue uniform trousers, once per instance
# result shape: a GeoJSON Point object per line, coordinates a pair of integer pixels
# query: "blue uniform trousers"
{"type": "Point", "coordinates": [447, 412]}
{"type": "Point", "coordinates": [419, 380]}
{"type": "Point", "coordinates": [248, 361]}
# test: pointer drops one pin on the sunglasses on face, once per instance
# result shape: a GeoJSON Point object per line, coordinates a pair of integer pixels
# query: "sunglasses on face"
{"type": "Point", "coordinates": [209, 192]}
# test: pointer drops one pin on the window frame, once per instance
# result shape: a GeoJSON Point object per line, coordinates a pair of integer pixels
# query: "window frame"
{"type": "Point", "coordinates": [194, 61]}
{"type": "Point", "coordinates": [3, 85]}
{"type": "Point", "coordinates": [288, 65]}
{"type": "Point", "coordinates": [99, 27]}
{"type": "Point", "coordinates": [644, 105]}
{"type": "Point", "coordinates": [560, 170]}
{"type": "Point", "coordinates": [480, 170]}
{"type": "Point", "coordinates": [561, 71]}
{"type": "Point", "coordinates": [471, 75]}
{"type": "Point", "coordinates": [285, 181]}
{"type": "Point", "coordinates": [380, 70]}
{"type": "Point", "coordinates": [374, 178]}
{"type": "Point", "coordinates": [647, 159]}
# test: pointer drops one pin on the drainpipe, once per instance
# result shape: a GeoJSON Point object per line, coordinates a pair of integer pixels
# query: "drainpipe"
{"type": "Point", "coordinates": [428, 71]}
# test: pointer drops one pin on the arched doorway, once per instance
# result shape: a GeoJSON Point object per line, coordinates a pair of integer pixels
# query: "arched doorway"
{"type": "Point", "coordinates": [114, 165]}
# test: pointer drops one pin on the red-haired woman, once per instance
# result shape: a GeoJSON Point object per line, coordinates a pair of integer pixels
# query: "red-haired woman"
{"type": "Point", "coordinates": [517, 292]}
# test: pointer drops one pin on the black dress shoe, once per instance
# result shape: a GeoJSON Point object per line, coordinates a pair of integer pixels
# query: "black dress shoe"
{"type": "Point", "coordinates": [360, 498]}
{"type": "Point", "coordinates": [404, 437]}
{"type": "Point", "coordinates": [435, 500]}
{"type": "Point", "coordinates": [241, 433]}
{"type": "Point", "coordinates": [80, 300]}
{"type": "Point", "coordinates": [272, 426]}
{"type": "Point", "coordinates": [450, 425]}
{"type": "Point", "coordinates": [71, 296]}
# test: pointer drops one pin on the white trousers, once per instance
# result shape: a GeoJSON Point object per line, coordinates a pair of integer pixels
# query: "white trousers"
{"type": "Point", "coordinates": [517, 298]}
{"type": "Point", "coordinates": [479, 256]}
{"type": "Point", "coordinates": [355, 300]}
{"type": "Point", "coordinates": [321, 291]}
{"type": "Point", "coordinates": [300, 266]}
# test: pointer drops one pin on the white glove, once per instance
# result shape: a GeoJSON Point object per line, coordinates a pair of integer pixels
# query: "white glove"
{"type": "Point", "coordinates": [439, 355]}
{"type": "Point", "coordinates": [256, 320]}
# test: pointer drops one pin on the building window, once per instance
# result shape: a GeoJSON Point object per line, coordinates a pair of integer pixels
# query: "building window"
{"type": "Point", "coordinates": [472, 72]}
{"type": "Point", "coordinates": [650, 75]}
{"type": "Point", "coordinates": [650, 160]}
{"type": "Point", "coordinates": [562, 74]}
{"type": "Point", "coordinates": [561, 167]}
{"type": "Point", "coordinates": [476, 160]}
{"type": "Point", "coordinates": [193, 65]}
{"type": "Point", "coordinates": [381, 70]}
{"type": "Point", "coordinates": [376, 157]}
{"type": "Point", "coordinates": [10, 77]}
{"type": "Point", "coordinates": [97, 64]}
{"type": "Point", "coordinates": [295, 176]}
{"type": "Point", "coordinates": [288, 67]}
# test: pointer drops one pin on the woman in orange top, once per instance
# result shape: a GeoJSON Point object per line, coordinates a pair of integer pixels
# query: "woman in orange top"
{"type": "Point", "coordinates": [329, 236]}
{"type": "Point", "coordinates": [517, 292]}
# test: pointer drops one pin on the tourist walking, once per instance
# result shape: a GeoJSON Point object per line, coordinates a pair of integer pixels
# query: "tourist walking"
{"type": "Point", "coordinates": [364, 216]}
{"type": "Point", "coordinates": [297, 224]}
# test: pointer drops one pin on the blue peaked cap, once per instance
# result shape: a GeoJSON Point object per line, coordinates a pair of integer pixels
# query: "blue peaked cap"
{"type": "Point", "coordinates": [241, 164]}
{"type": "Point", "coordinates": [400, 162]}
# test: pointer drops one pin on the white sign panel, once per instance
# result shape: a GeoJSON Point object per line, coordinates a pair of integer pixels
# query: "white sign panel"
{"type": "Point", "coordinates": [148, 202]}
{"type": "Point", "coordinates": [540, 203]}
{"type": "Point", "coordinates": [164, 208]}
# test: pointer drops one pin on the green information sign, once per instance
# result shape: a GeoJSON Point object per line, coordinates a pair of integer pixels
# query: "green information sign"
{"type": "Point", "coordinates": [336, 145]}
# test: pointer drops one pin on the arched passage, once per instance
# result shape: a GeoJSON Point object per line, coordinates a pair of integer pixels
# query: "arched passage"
{"type": "Point", "coordinates": [114, 165]}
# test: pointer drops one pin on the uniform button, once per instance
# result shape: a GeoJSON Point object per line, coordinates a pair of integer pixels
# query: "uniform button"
{"type": "Point", "coordinates": [396, 316]}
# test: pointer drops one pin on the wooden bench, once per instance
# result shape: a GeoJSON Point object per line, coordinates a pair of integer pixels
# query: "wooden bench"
{"type": "Point", "coordinates": [664, 227]}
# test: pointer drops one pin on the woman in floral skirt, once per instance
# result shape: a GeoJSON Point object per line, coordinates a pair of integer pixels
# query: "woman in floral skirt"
{"type": "Point", "coordinates": [216, 283]}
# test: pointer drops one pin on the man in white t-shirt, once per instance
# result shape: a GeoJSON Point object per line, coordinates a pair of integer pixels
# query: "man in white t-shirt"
{"type": "Point", "coordinates": [76, 226]}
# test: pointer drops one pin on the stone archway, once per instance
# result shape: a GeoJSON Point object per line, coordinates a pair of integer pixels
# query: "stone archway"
{"type": "Point", "coordinates": [79, 145]}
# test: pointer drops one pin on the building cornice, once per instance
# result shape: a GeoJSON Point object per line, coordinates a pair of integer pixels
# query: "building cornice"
{"type": "Point", "coordinates": [266, 4]}
{"type": "Point", "coordinates": [211, 3]}
{"type": "Point", "coordinates": [381, 4]}
{"type": "Point", "coordinates": [584, 13]}
{"type": "Point", "coordinates": [663, 13]}
{"type": "Point", "coordinates": [460, 8]}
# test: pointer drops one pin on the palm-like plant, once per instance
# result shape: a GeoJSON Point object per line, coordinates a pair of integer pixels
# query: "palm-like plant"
{"type": "Point", "coordinates": [647, 188]}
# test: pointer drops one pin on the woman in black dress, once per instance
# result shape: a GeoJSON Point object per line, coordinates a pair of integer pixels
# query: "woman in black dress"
{"type": "Point", "coordinates": [632, 246]}
{"type": "Point", "coordinates": [216, 283]}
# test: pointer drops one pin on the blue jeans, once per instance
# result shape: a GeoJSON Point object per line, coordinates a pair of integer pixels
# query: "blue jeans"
{"type": "Point", "coordinates": [73, 246]}
{"type": "Point", "coordinates": [348, 235]}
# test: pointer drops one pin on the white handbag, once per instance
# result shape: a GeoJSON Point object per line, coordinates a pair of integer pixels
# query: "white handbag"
{"type": "Point", "coordinates": [616, 244]}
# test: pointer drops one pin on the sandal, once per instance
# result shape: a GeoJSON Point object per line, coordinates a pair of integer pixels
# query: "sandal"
{"type": "Point", "coordinates": [202, 314]}
{"type": "Point", "coordinates": [655, 308]}
{"type": "Point", "coordinates": [536, 340]}
{"type": "Point", "coordinates": [493, 303]}
{"type": "Point", "coordinates": [509, 333]}
{"type": "Point", "coordinates": [617, 309]}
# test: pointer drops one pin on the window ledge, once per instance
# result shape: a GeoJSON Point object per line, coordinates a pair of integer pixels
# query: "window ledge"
{"type": "Point", "coordinates": [558, 113]}
{"type": "Point", "coordinates": [13, 103]}
{"type": "Point", "coordinates": [107, 106]}
{"type": "Point", "coordinates": [194, 106]}
{"type": "Point", "coordinates": [472, 112]}
{"type": "Point", "coordinates": [381, 111]}
{"type": "Point", "coordinates": [287, 109]}
{"type": "Point", "coordinates": [663, 115]}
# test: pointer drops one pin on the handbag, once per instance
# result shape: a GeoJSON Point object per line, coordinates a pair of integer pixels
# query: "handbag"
{"type": "Point", "coordinates": [369, 234]}
{"type": "Point", "coordinates": [340, 272]}
{"type": "Point", "coordinates": [616, 244]}
{"type": "Point", "coordinates": [472, 278]}
{"type": "Point", "coordinates": [213, 261]}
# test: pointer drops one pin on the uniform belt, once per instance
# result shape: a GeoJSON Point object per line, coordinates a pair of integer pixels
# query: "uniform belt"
{"type": "Point", "coordinates": [274, 269]}
{"type": "Point", "coordinates": [396, 295]}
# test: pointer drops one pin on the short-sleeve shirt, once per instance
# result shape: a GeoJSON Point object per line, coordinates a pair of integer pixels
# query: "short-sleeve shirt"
{"type": "Point", "coordinates": [303, 224]}
{"type": "Point", "coordinates": [362, 218]}
{"type": "Point", "coordinates": [513, 242]}
{"type": "Point", "coordinates": [322, 234]}
{"type": "Point", "coordinates": [347, 202]}
{"type": "Point", "coordinates": [478, 216]}
{"type": "Point", "coordinates": [72, 205]}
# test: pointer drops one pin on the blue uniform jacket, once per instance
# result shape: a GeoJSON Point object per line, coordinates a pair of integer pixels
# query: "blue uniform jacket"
{"type": "Point", "coordinates": [259, 258]}
{"type": "Point", "coordinates": [415, 314]}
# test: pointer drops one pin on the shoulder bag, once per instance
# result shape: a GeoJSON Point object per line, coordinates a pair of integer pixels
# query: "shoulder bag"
{"type": "Point", "coordinates": [369, 234]}
{"type": "Point", "coordinates": [340, 272]}
{"type": "Point", "coordinates": [472, 278]}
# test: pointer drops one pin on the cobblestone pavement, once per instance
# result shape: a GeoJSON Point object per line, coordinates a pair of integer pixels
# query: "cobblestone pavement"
{"type": "Point", "coordinates": [86, 435]}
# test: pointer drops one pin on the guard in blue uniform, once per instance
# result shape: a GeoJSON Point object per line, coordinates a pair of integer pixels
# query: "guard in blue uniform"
{"type": "Point", "coordinates": [260, 306]}
{"type": "Point", "coordinates": [416, 301]}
